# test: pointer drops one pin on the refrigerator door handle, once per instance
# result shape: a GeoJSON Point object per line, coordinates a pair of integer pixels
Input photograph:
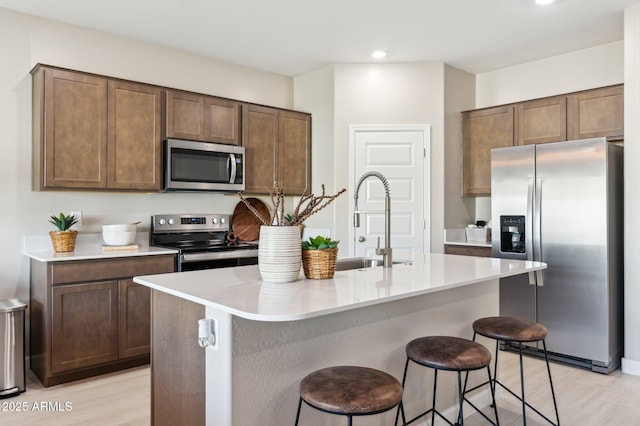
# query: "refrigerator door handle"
{"type": "Point", "coordinates": [537, 243]}
{"type": "Point", "coordinates": [529, 229]}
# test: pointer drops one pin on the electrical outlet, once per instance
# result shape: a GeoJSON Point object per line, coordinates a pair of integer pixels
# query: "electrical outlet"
{"type": "Point", "coordinates": [78, 215]}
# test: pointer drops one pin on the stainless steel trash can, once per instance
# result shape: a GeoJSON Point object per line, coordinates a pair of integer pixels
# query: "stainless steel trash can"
{"type": "Point", "coordinates": [12, 371]}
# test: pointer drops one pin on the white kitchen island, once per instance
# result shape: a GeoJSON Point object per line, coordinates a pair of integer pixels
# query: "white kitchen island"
{"type": "Point", "coordinates": [269, 336]}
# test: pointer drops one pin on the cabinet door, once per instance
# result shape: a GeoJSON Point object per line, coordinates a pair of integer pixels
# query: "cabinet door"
{"type": "Point", "coordinates": [483, 130]}
{"type": "Point", "coordinates": [542, 121]}
{"type": "Point", "coordinates": [85, 325]}
{"type": "Point", "coordinates": [135, 140]}
{"type": "Point", "coordinates": [135, 319]}
{"type": "Point", "coordinates": [185, 115]}
{"type": "Point", "coordinates": [73, 141]}
{"type": "Point", "coordinates": [294, 159]}
{"type": "Point", "coordinates": [221, 121]}
{"type": "Point", "coordinates": [260, 139]}
{"type": "Point", "coordinates": [596, 113]}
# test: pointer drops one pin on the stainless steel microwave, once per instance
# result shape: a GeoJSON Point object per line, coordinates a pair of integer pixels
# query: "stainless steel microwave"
{"type": "Point", "coordinates": [203, 166]}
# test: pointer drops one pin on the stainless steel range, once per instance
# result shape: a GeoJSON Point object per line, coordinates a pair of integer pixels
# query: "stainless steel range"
{"type": "Point", "coordinates": [201, 240]}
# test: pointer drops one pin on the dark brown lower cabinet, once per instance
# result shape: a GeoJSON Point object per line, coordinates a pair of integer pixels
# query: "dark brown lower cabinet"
{"type": "Point", "coordinates": [178, 363]}
{"type": "Point", "coordinates": [85, 325]}
{"type": "Point", "coordinates": [88, 317]}
{"type": "Point", "coordinates": [134, 302]}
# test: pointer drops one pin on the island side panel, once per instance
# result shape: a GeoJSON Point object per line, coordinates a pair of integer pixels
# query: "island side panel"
{"type": "Point", "coordinates": [177, 362]}
{"type": "Point", "coordinates": [270, 358]}
{"type": "Point", "coordinates": [218, 371]}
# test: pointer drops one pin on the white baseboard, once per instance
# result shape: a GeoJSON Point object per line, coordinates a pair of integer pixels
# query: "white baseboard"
{"type": "Point", "coordinates": [630, 366]}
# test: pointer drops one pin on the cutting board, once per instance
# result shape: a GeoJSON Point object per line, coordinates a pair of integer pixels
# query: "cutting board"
{"type": "Point", "coordinates": [245, 225]}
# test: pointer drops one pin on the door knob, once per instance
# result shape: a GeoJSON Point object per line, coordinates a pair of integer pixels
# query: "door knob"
{"type": "Point", "coordinates": [361, 238]}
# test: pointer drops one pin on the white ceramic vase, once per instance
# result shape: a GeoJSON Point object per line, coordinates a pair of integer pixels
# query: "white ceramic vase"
{"type": "Point", "coordinates": [279, 253]}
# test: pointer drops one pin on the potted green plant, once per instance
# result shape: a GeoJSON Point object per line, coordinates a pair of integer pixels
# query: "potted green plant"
{"type": "Point", "coordinates": [64, 239]}
{"type": "Point", "coordinates": [319, 256]}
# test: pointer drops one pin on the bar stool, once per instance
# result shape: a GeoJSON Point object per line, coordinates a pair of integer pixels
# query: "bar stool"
{"type": "Point", "coordinates": [509, 329]}
{"type": "Point", "coordinates": [451, 354]}
{"type": "Point", "coordinates": [350, 391]}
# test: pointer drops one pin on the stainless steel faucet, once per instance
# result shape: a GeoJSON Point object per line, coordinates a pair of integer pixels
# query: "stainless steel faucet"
{"type": "Point", "coordinates": [386, 251]}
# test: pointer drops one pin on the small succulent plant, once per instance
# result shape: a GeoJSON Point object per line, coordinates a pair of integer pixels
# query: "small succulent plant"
{"type": "Point", "coordinates": [63, 222]}
{"type": "Point", "coordinates": [319, 243]}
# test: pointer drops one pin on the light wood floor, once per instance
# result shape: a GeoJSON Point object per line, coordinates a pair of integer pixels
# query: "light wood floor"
{"type": "Point", "coordinates": [584, 398]}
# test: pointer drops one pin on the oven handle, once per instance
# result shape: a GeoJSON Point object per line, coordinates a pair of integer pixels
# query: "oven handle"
{"type": "Point", "coordinates": [229, 254]}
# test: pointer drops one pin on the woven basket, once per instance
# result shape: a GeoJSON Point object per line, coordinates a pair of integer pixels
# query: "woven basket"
{"type": "Point", "coordinates": [319, 264]}
{"type": "Point", "coordinates": [63, 241]}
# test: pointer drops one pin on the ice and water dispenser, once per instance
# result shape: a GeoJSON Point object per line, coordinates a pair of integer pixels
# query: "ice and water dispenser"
{"type": "Point", "coordinates": [512, 234]}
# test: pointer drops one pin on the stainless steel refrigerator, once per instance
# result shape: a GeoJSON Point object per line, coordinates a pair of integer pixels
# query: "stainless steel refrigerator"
{"type": "Point", "coordinates": [562, 204]}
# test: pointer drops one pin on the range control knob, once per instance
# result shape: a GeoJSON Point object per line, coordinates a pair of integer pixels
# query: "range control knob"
{"type": "Point", "coordinates": [162, 221]}
{"type": "Point", "coordinates": [222, 220]}
{"type": "Point", "coordinates": [171, 222]}
{"type": "Point", "coordinates": [214, 220]}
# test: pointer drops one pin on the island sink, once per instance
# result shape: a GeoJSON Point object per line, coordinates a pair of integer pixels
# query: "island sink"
{"type": "Point", "coordinates": [362, 263]}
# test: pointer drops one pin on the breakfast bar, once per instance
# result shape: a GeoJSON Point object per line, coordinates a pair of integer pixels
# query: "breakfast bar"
{"type": "Point", "coordinates": [269, 336]}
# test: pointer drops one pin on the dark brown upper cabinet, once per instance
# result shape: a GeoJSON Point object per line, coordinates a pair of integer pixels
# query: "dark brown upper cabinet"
{"type": "Point", "coordinates": [203, 118]}
{"type": "Point", "coordinates": [580, 115]}
{"type": "Point", "coordinates": [278, 148]}
{"type": "Point", "coordinates": [483, 130]}
{"type": "Point", "coordinates": [92, 132]}
{"type": "Point", "coordinates": [542, 121]}
{"type": "Point", "coordinates": [596, 113]}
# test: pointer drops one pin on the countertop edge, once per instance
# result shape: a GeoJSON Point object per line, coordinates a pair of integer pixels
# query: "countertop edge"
{"type": "Point", "coordinates": [50, 256]}
{"type": "Point", "coordinates": [145, 280]}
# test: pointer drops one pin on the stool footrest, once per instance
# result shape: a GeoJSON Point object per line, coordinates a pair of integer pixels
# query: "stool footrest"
{"type": "Point", "coordinates": [431, 410]}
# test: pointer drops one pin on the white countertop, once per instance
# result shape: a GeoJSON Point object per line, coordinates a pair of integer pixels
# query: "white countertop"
{"type": "Point", "coordinates": [88, 246]}
{"type": "Point", "coordinates": [458, 237]}
{"type": "Point", "coordinates": [241, 292]}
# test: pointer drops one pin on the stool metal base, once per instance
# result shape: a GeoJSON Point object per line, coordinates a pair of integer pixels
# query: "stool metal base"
{"type": "Point", "coordinates": [461, 398]}
{"type": "Point", "coordinates": [494, 381]}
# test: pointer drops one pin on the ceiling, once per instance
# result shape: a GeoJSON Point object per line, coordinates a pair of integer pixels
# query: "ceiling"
{"type": "Point", "coordinates": [292, 37]}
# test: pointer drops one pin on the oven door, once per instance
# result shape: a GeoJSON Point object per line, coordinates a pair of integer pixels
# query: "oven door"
{"type": "Point", "coordinates": [218, 259]}
{"type": "Point", "coordinates": [201, 166]}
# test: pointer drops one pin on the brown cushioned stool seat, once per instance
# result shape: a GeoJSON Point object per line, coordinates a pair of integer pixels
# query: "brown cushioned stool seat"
{"type": "Point", "coordinates": [510, 329]}
{"type": "Point", "coordinates": [515, 330]}
{"type": "Point", "coordinates": [450, 354]}
{"type": "Point", "coordinates": [350, 391]}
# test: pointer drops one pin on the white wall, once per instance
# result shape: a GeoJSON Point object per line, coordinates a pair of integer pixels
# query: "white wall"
{"type": "Point", "coordinates": [631, 360]}
{"type": "Point", "coordinates": [583, 69]}
{"type": "Point", "coordinates": [459, 90]}
{"type": "Point", "coordinates": [313, 92]}
{"type": "Point", "coordinates": [390, 94]}
{"type": "Point", "coordinates": [26, 41]}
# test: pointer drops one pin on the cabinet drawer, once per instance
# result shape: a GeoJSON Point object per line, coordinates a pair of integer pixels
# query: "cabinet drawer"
{"type": "Point", "coordinates": [90, 270]}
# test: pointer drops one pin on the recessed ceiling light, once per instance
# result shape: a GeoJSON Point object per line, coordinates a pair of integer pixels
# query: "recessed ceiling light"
{"type": "Point", "coordinates": [378, 54]}
{"type": "Point", "coordinates": [544, 1]}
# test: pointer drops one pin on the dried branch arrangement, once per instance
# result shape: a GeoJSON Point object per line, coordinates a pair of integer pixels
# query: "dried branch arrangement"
{"type": "Point", "coordinates": [308, 205]}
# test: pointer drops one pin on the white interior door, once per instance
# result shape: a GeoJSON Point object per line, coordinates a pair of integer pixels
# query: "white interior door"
{"type": "Point", "coordinates": [400, 154]}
